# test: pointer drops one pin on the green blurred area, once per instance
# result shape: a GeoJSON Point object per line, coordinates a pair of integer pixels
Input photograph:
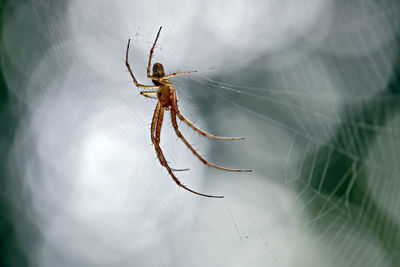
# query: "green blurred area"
{"type": "Point", "coordinates": [338, 171]}
{"type": "Point", "coordinates": [11, 253]}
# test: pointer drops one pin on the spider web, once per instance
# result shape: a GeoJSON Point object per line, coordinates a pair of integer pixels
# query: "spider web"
{"type": "Point", "coordinates": [341, 159]}
{"type": "Point", "coordinates": [313, 87]}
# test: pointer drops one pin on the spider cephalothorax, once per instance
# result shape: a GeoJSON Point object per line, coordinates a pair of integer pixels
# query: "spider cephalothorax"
{"type": "Point", "coordinates": [166, 96]}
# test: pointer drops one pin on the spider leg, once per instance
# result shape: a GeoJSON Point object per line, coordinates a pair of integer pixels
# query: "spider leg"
{"type": "Point", "coordinates": [204, 133]}
{"type": "Point", "coordinates": [155, 133]}
{"type": "Point", "coordinates": [149, 64]}
{"type": "Point", "coordinates": [178, 73]}
{"type": "Point", "coordinates": [131, 73]}
{"type": "Point", "coordinates": [157, 120]}
{"type": "Point", "coordinates": [149, 94]}
{"type": "Point", "coordinates": [179, 183]}
{"type": "Point", "coordinates": [158, 124]}
{"type": "Point", "coordinates": [151, 55]}
{"type": "Point", "coordinates": [178, 133]}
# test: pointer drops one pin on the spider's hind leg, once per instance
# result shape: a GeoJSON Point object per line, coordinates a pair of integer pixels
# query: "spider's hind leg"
{"type": "Point", "coordinates": [204, 133]}
{"type": "Point", "coordinates": [131, 72]}
{"type": "Point", "coordinates": [151, 54]}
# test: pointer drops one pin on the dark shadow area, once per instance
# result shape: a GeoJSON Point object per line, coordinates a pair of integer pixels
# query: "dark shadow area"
{"type": "Point", "coordinates": [17, 232]}
{"type": "Point", "coordinates": [336, 172]}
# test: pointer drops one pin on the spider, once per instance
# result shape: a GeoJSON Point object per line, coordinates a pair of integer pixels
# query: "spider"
{"type": "Point", "coordinates": [167, 100]}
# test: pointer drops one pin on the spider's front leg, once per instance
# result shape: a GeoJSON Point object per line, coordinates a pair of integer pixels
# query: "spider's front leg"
{"type": "Point", "coordinates": [155, 131]}
{"type": "Point", "coordinates": [178, 73]}
{"type": "Point", "coordinates": [205, 162]}
{"type": "Point", "coordinates": [155, 137]}
{"type": "Point", "coordinates": [202, 132]}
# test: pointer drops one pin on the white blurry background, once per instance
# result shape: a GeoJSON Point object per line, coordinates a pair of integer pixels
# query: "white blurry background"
{"type": "Point", "coordinates": [88, 177]}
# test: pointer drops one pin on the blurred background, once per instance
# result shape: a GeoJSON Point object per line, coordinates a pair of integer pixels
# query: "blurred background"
{"type": "Point", "coordinates": [313, 86]}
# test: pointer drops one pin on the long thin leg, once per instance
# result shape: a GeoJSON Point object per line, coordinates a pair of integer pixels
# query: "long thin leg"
{"type": "Point", "coordinates": [149, 94]}
{"type": "Point", "coordinates": [130, 70]}
{"type": "Point", "coordinates": [151, 55]}
{"type": "Point", "coordinates": [157, 120]}
{"type": "Point", "coordinates": [179, 183]}
{"type": "Point", "coordinates": [155, 131]}
{"type": "Point", "coordinates": [155, 138]}
{"type": "Point", "coordinates": [178, 133]}
{"type": "Point", "coordinates": [149, 64]}
{"type": "Point", "coordinates": [159, 123]}
{"type": "Point", "coordinates": [178, 73]}
{"type": "Point", "coordinates": [204, 133]}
